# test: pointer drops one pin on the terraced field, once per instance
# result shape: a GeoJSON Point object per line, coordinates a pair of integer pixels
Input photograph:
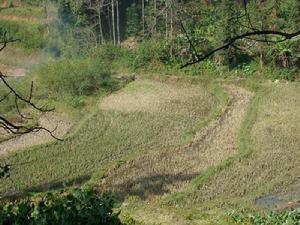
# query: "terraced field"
{"type": "Point", "coordinates": [113, 134]}
{"type": "Point", "coordinates": [178, 151]}
{"type": "Point", "coordinates": [171, 170]}
{"type": "Point", "coordinates": [262, 173]}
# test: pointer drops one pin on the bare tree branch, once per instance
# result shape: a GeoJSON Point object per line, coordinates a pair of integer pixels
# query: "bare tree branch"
{"type": "Point", "coordinates": [28, 101]}
{"type": "Point", "coordinates": [6, 40]}
{"type": "Point", "coordinates": [192, 47]}
{"type": "Point", "coordinates": [9, 126]}
{"type": "Point", "coordinates": [230, 42]}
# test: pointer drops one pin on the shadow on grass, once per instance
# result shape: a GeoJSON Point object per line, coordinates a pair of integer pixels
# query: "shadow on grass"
{"type": "Point", "coordinates": [55, 185]}
{"type": "Point", "coordinates": [151, 186]}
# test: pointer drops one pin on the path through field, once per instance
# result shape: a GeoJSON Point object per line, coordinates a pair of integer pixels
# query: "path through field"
{"type": "Point", "coordinates": [164, 172]}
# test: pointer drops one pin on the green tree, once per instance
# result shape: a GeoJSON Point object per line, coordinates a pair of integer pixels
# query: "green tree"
{"type": "Point", "coordinates": [134, 19]}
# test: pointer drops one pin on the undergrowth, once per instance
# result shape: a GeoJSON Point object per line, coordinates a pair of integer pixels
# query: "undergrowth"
{"type": "Point", "coordinates": [289, 217]}
{"type": "Point", "coordinates": [31, 37]}
{"type": "Point", "coordinates": [65, 207]}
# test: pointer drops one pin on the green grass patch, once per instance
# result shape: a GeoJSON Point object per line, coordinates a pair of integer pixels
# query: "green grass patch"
{"type": "Point", "coordinates": [75, 77]}
{"type": "Point", "coordinates": [32, 36]}
{"type": "Point", "coordinates": [23, 12]}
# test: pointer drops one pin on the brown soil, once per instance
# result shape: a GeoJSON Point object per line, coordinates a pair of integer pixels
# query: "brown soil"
{"type": "Point", "coordinates": [170, 170]}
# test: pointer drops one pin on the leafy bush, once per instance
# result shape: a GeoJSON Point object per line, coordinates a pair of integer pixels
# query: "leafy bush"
{"type": "Point", "coordinates": [75, 77]}
{"type": "Point", "coordinates": [76, 207]}
{"type": "Point", "coordinates": [115, 56]}
{"type": "Point", "coordinates": [151, 53]}
{"type": "Point", "coordinates": [108, 53]}
{"type": "Point", "coordinates": [291, 217]}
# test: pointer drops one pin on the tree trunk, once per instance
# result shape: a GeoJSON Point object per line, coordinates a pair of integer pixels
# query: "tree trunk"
{"type": "Point", "coordinates": [171, 19]}
{"type": "Point", "coordinates": [113, 21]}
{"type": "Point", "coordinates": [167, 22]}
{"type": "Point", "coordinates": [101, 41]}
{"type": "Point", "coordinates": [118, 23]}
{"type": "Point", "coordinates": [155, 19]}
{"type": "Point", "coordinates": [143, 17]}
{"type": "Point", "coordinates": [261, 56]}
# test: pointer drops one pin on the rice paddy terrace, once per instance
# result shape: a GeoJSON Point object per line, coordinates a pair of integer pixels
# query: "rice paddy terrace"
{"type": "Point", "coordinates": [173, 150]}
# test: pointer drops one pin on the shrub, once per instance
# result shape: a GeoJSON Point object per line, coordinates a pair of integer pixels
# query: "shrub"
{"type": "Point", "coordinates": [149, 53]}
{"type": "Point", "coordinates": [75, 77]}
{"type": "Point", "coordinates": [291, 217]}
{"type": "Point", "coordinates": [108, 53]}
{"type": "Point", "coordinates": [67, 207]}
{"type": "Point", "coordinates": [115, 56]}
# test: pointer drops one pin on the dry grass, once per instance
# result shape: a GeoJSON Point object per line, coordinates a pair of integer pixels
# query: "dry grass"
{"type": "Point", "coordinates": [12, 71]}
{"type": "Point", "coordinates": [158, 97]}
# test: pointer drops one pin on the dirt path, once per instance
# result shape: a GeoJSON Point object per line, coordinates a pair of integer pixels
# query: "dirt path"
{"type": "Point", "coordinates": [49, 121]}
{"type": "Point", "coordinates": [153, 175]}
{"type": "Point", "coordinates": [12, 71]}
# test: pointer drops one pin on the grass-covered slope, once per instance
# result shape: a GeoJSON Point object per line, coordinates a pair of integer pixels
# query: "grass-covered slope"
{"type": "Point", "coordinates": [157, 116]}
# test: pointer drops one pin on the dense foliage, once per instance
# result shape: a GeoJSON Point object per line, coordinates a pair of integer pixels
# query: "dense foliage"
{"type": "Point", "coordinates": [72, 207]}
{"type": "Point", "coordinates": [76, 77]}
{"type": "Point", "coordinates": [209, 24]}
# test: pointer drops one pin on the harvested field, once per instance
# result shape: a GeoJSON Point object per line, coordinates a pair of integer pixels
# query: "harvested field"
{"type": "Point", "coordinates": [170, 170]}
{"type": "Point", "coordinates": [264, 174]}
{"type": "Point", "coordinates": [274, 165]}
{"type": "Point", "coordinates": [157, 97]}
